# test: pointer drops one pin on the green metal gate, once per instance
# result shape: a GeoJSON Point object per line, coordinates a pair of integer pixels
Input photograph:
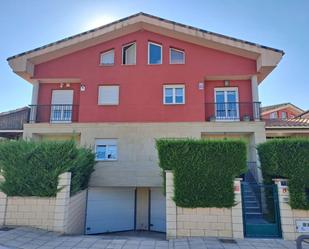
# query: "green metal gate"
{"type": "Point", "coordinates": [261, 214]}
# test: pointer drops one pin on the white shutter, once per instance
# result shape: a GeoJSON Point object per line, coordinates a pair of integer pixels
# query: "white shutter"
{"type": "Point", "coordinates": [108, 95]}
{"type": "Point", "coordinates": [62, 97]}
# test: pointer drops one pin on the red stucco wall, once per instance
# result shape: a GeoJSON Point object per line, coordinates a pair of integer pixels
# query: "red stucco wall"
{"type": "Point", "coordinates": [290, 113]}
{"type": "Point", "coordinates": [141, 85]}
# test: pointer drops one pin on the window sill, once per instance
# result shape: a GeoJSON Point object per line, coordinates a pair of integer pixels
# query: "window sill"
{"type": "Point", "coordinates": [173, 103]}
{"type": "Point", "coordinates": [106, 65]}
{"type": "Point", "coordinates": [108, 104]}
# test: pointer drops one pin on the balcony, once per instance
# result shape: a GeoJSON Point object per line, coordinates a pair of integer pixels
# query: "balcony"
{"type": "Point", "coordinates": [233, 111]}
{"type": "Point", "coordinates": [53, 113]}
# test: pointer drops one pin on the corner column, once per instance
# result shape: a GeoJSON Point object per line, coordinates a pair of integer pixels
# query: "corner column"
{"type": "Point", "coordinates": [171, 215]}
{"type": "Point", "coordinates": [255, 98]}
{"type": "Point", "coordinates": [34, 101]}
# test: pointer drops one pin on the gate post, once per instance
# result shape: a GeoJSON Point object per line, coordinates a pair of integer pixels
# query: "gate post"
{"type": "Point", "coordinates": [286, 213]}
{"type": "Point", "coordinates": [171, 215]}
{"type": "Point", "coordinates": [237, 217]}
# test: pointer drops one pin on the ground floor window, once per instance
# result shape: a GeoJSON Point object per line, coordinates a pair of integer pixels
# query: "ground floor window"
{"type": "Point", "coordinates": [106, 149]}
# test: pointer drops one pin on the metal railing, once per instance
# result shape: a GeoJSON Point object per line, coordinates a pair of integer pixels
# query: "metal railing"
{"type": "Point", "coordinates": [53, 113]}
{"type": "Point", "coordinates": [233, 111]}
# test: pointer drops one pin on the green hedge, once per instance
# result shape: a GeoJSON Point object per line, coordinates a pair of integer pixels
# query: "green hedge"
{"type": "Point", "coordinates": [204, 170]}
{"type": "Point", "coordinates": [288, 158]}
{"type": "Point", "coordinates": [32, 168]}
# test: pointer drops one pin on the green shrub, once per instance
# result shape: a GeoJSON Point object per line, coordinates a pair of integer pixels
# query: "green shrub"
{"type": "Point", "coordinates": [288, 158]}
{"type": "Point", "coordinates": [204, 170]}
{"type": "Point", "coordinates": [32, 168]}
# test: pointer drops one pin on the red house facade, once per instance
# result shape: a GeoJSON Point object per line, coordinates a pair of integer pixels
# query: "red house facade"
{"type": "Point", "coordinates": [119, 87]}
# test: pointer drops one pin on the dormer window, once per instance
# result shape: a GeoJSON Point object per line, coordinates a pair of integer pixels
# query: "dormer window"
{"type": "Point", "coordinates": [154, 53]}
{"type": "Point", "coordinates": [129, 54]}
{"type": "Point", "coordinates": [177, 56]}
{"type": "Point", "coordinates": [107, 58]}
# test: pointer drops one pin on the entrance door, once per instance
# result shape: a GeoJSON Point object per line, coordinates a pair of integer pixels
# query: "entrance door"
{"type": "Point", "coordinates": [226, 104]}
{"type": "Point", "coordinates": [157, 210]}
{"type": "Point", "coordinates": [261, 211]}
{"type": "Point", "coordinates": [62, 105]}
{"type": "Point", "coordinates": [110, 210]}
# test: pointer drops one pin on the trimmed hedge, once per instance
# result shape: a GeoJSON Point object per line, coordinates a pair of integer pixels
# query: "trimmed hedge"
{"type": "Point", "coordinates": [32, 168]}
{"type": "Point", "coordinates": [288, 158]}
{"type": "Point", "coordinates": [204, 170]}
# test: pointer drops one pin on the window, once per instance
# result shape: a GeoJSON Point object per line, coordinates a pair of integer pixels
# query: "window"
{"type": "Point", "coordinates": [154, 53]}
{"type": "Point", "coordinates": [283, 115]}
{"type": "Point", "coordinates": [106, 149]}
{"type": "Point", "coordinates": [108, 95]}
{"type": "Point", "coordinates": [177, 56]}
{"type": "Point", "coordinates": [129, 54]}
{"type": "Point", "coordinates": [273, 115]}
{"type": "Point", "coordinates": [107, 58]}
{"type": "Point", "coordinates": [226, 106]}
{"type": "Point", "coordinates": [174, 94]}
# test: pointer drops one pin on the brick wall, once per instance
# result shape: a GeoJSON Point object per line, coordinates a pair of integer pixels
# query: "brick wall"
{"type": "Point", "coordinates": [209, 222]}
{"type": "Point", "coordinates": [289, 216]}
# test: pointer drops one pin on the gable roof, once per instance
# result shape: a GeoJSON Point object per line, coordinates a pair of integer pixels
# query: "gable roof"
{"type": "Point", "coordinates": [267, 58]}
{"type": "Point", "coordinates": [272, 108]}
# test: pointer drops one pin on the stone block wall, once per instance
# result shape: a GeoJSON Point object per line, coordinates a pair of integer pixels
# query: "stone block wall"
{"type": "Point", "coordinates": [289, 216]}
{"type": "Point", "coordinates": [63, 213]}
{"type": "Point", "coordinates": [208, 222]}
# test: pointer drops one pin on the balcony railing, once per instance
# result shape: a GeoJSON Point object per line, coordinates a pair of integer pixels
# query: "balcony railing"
{"type": "Point", "coordinates": [53, 113]}
{"type": "Point", "coordinates": [232, 111]}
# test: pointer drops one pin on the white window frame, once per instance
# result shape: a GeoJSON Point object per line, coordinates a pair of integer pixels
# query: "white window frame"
{"type": "Point", "coordinates": [106, 52]}
{"type": "Point", "coordinates": [286, 115]}
{"type": "Point", "coordinates": [273, 115]}
{"type": "Point", "coordinates": [174, 94]}
{"type": "Point", "coordinates": [122, 51]}
{"type": "Point", "coordinates": [106, 142]}
{"type": "Point", "coordinates": [226, 89]}
{"type": "Point", "coordinates": [179, 50]}
{"type": "Point", "coordinates": [156, 44]}
{"type": "Point", "coordinates": [99, 96]}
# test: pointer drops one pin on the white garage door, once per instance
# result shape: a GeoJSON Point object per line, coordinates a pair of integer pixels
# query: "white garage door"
{"type": "Point", "coordinates": [157, 210]}
{"type": "Point", "coordinates": [110, 210]}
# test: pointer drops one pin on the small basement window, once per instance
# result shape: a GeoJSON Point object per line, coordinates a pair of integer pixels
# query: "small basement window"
{"type": "Point", "coordinates": [106, 149]}
{"type": "Point", "coordinates": [177, 56]}
{"type": "Point", "coordinates": [107, 58]}
{"type": "Point", "coordinates": [129, 54]}
{"type": "Point", "coordinates": [154, 53]}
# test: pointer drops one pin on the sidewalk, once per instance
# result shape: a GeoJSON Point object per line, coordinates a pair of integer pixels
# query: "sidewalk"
{"type": "Point", "coordinates": [28, 238]}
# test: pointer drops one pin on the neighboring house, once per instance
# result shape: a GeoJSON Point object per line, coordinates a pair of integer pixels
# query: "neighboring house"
{"type": "Point", "coordinates": [281, 111]}
{"type": "Point", "coordinates": [295, 127]}
{"type": "Point", "coordinates": [119, 87]}
{"type": "Point", "coordinates": [12, 123]}
{"type": "Point", "coordinates": [285, 120]}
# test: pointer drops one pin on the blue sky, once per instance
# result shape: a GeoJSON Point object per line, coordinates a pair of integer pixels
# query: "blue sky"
{"type": "Point", "coordinates": [281, 24]}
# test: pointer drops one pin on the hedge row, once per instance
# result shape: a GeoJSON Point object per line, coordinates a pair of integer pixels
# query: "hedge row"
{"type": "Point", "coordinates": [288, 158]}
{"type": "Point", "coordinates": [32, 168]}
{"type": "Point", "coordinates": [204, 170]}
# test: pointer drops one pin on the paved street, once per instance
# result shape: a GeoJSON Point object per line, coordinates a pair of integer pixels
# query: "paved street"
{"type": "Point", "coordinates": [27, 238]}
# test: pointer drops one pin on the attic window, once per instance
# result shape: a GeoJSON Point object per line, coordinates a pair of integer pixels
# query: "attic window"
{"type": "Point", "coordinates": [129, 54]}
{"type": "Point", "coordinates": [177, 56]}
{"type": "Point", "coordinates": [107, 58]}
